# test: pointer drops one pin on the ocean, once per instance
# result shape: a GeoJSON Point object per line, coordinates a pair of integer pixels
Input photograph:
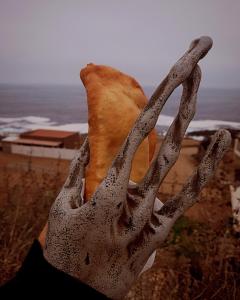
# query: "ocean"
{"type": "Point", "coordinates": [65, 107]}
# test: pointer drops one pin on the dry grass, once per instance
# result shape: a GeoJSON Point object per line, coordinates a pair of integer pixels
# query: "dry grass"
{"type": "Point", "coordinates": [200, 259]}
{"type": "Point", "coordinates": [197, 265]}
{"type": "Point", "coordinates": [24, 205]}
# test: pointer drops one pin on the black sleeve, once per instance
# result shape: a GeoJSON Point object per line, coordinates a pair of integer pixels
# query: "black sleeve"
{"type": "Point", "coordinates": [37, 278]}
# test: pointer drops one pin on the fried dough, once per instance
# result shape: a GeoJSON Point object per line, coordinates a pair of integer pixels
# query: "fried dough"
{"type": "Point", "coordinates": [115, 100]}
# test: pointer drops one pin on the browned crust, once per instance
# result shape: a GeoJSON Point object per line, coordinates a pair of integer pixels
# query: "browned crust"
{"type": "Point", "coordinates": [115, 100]}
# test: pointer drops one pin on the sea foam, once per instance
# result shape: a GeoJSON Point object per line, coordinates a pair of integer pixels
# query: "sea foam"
{"type": "Point", "coordinates": [21, 124]}
{"type": "Point", "coordinates": [198, 125]}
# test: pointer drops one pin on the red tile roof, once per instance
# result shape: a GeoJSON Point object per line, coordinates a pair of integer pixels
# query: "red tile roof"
{"type": "Point", "coordinates": [36, 142]}
{"type": "Point", "coordinates": [49, 133]}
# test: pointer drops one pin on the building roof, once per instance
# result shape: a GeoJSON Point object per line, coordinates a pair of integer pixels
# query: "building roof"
{"type": "Point", "coordinates": [48, 133]}
{"type": "Point", "coordinates": [36, 142]}
{"type": "Point", "coordinates": [10, 139]}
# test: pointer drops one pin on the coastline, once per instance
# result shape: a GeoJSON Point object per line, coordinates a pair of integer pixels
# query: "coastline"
{"type": "Point", "coordinates": [14, 126]}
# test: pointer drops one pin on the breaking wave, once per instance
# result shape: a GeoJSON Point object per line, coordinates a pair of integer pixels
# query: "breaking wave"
{"type": "Point", "coordinates": [21, 124]}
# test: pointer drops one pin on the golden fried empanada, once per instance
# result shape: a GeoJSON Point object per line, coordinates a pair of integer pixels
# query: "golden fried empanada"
{"type": "Point", "coordinates": [114, 103]}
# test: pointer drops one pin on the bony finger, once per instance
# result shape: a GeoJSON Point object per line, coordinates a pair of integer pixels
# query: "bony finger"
{"type": "Point", "coordinates": [146, 121]}
{"type": "Point", "coordinates": [201, 46]}
{"type": "Point", "coordinates": [219, 144]}
{"type": "Point", "coordinates": [170, 148]}
{"type": "Point", "coordinates": [78, 165]}
{"type": "Point", "coordinates": [171, 145]}
{"type": "Point", "coordinates": [176, 206]}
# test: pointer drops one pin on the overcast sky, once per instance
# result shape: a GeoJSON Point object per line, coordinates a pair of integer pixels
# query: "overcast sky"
{"type": "Point", "coordinates": [49, 41]}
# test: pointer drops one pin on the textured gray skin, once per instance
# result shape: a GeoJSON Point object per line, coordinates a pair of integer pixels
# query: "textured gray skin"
{"type": "Point", "coordinates": [106, 242]}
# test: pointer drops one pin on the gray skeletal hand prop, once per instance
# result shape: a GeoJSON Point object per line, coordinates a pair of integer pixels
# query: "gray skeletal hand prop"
{"type": "Point", "coordinates": [106, 242]}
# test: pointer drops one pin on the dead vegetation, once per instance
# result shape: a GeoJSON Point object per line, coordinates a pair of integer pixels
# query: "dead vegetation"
{"type": "Point", "coordinates": [199, 260]}
{"type": "Point", "coordinates": [196, 262]}
{"type": "Point", "coordinates": [25, 200]}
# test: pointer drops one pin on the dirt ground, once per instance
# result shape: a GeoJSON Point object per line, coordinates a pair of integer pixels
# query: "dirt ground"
{"type": "Point", "coordinates": [199, 260]}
